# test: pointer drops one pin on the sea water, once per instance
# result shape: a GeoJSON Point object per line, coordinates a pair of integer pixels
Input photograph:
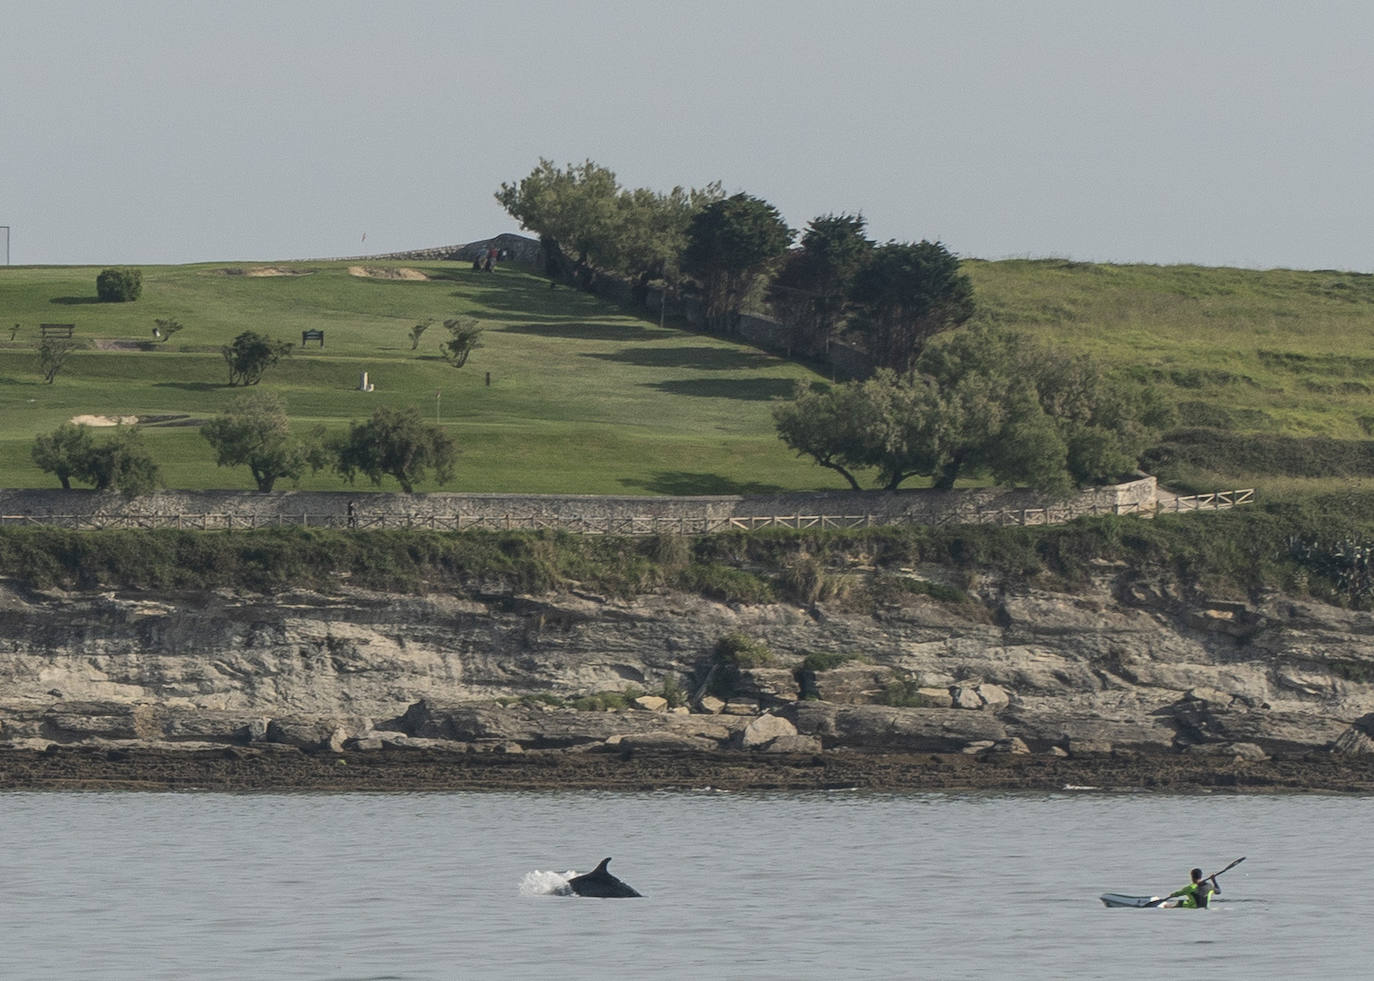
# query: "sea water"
{"type": "Point", "coordinates": [775, 885]}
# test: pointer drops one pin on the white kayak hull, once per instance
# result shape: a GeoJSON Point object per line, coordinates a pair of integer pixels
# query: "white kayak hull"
{"type": "Point", "coordinates": [1116, 899]}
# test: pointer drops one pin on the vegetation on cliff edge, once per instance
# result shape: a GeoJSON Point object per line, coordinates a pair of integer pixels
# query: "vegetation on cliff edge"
{"type": "Point", "coordinates": [1319, 546]}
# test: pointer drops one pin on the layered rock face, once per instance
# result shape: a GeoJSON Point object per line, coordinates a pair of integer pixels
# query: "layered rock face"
{"type": "Point", "coordinates": [1118, 666]}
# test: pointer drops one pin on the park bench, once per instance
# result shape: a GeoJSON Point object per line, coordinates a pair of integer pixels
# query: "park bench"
{"type": "Point", "coordinates": [56, 330]}
{"type": "Point", "coordinates": [312, 335]}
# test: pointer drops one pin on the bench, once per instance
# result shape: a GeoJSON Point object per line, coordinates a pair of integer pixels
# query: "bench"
{"type": "Point", "coordinates": [56, 330]}
{"type": "Point", "coordinates": [312, 335]}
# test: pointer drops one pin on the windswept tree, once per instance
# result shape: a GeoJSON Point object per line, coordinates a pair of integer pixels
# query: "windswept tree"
{"type": "Point", "coordinates": [52, 356]}
{"type": "Point", "coordinates": [250, 355]}
{"type": "Point", "coordinates": [418, 331]}
{"type": "Point", "coordinates": [810, 290]}
{"type": "Point", "coordinates": [464, 337]}
{"type": "Point", "coordinates": [651, 232]}
{"type": "Point", "coordinates": [64, 452]}
{"type": "Point", "coordinates": [254, 431]}
{"type": "Point", "coordinates": [904, 295]}
{"type": "Point", "coordinates": [121, 463]}
{"type": "Point", "coordinates": [980, 403]}
{"type": "Point", "coordinates": [165, 327]}
{"type": "Point", "coordinates": [729, 246]}
{"type": "Point", "coordinates": [396, 443]}
{"type": "Point", "coordinates": [573, 210]}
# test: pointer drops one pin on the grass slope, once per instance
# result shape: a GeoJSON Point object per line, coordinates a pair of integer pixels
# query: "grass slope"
{"type": "Point", "coordinates": [583, 397]}
{"type": "Point", "coordinates": [586, 398]}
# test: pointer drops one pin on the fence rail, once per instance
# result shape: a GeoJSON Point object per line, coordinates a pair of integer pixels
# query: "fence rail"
{"type": "Point", "coordinates": [619, 524]}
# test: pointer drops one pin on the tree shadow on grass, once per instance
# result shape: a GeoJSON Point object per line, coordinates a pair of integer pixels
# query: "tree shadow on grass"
{"type": "Point", "coordinates": [194, 386]}
{"type": "Point", "coordinates": [702, 358]}
{"type": "Point", "coordinates": [678, 483]}
{"type": "Point", "coordinates": [743, 389]}
{"type": "Point", "coordinates": [74, 301]}
{"type": "Point", "coordinates": [582, 331]}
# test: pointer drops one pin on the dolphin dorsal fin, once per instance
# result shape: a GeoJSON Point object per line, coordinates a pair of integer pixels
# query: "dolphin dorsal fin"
{"type": "Point", "coordinates": [602, 866]}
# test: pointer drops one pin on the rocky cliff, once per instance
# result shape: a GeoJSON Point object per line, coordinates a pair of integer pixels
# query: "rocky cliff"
{"type": "Point", "coordinates": [1120, 665]}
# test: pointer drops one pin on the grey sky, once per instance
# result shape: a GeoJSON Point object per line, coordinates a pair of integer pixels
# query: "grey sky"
{"type": "Point", "coordinates": [1216, 133]}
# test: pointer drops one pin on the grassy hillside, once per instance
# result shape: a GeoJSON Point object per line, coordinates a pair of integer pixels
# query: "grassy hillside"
{"type": "Point", "coordinates": [1273, 371]}
{"type": "Point", "coordinates": [583, 398]}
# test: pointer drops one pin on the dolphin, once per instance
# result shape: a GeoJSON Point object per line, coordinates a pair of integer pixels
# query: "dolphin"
{"type": "Point", "coordinates": [601, 884]}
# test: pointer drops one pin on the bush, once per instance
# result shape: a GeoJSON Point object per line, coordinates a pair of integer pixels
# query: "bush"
{"type": "Point", "coordinates": [119, 285]}
{"type": "Point", "coordinates": [820, 661]}
{"type": "Point", "coordinates": [742, 651]}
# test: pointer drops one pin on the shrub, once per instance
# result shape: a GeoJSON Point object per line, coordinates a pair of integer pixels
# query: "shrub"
{"type": "Point", "coordinates": [723, 583]}
{"type": "Point", "coordinates": [119, 285]}
{"type": "Point", "coordinates": [822, 661]}
{"type": "Point", "coordinates": [742, 651]}
{"type": "Point", "coordinates": [605, 701]}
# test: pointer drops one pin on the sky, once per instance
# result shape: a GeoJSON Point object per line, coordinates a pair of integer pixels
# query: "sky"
{"type": "Point", "coordinates": [1216, 133]}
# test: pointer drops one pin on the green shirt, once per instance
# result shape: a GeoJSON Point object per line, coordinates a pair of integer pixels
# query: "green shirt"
{"type": "Point", "coordinates": [1190, 894]}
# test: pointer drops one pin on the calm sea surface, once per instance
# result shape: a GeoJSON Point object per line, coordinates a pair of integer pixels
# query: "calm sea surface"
{"type": "Point", "coordinates": [779, 885]}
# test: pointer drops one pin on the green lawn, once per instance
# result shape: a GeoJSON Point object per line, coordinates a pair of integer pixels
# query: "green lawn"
{"type": "Point", "coordinates": [582, 397]}
{"type": "Point", "coordinates": [587, 398]}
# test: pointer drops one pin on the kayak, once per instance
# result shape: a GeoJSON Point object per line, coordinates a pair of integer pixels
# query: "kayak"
{"type": "Point", "coordinates": [1116, 899]}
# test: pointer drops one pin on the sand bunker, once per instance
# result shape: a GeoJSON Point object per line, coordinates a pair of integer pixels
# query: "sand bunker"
{"type": "Point", "coordinates": [373, 273]}
{"type": "Point", "coordinates": [104, 420]}
{"type": "Point", "coordinates": [266, 271]}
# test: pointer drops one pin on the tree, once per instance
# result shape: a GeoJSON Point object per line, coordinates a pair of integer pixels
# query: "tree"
{"type": "Point", "coordinates": [463, 340]}
{"type": "Point", "coordinates": [573, 210]}
{"type": "Point", "coordinates": [832, 426]}
{"type": "Point", "coordinates": [729, 244]}
{"type": "Point", "coordinates": [651, 232]}
{"type": "Point", "coordinates": [810, 291]}
{"type": "Point", "coordinates": [52, 356]}
{"type": "Point", "coordinates": [250, 354]}
{"type": "Point", "coordinates": [983, 402]}
{"type": "Point", "coordinates": [396, 443]}
{"type": "Point", "coordinates": [904, 295]}
{"type": "Point", "coordinates": [121, 463]}
{"type": "Point", "coordinates": [63, 452]}
{"type": "Point", "coordinates": [418, 331]}
{"type": "Point", "coordinates": [164, 328]}
{"type": "Point", "coordinates": [119, 285]}
{"type": "Point", "coordinates": [254, 431]}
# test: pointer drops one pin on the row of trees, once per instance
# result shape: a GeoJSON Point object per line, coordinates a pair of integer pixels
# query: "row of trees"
{"type": "Point", "coordinates": [978, 402]}
{"type": "Point", "coordinates": [255, 432]}
{"type": "Point", "coordinates": [891, 297]}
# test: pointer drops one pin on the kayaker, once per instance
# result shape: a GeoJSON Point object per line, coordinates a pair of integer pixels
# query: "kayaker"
{"type": "Point", "coordinates": [1198, 893]}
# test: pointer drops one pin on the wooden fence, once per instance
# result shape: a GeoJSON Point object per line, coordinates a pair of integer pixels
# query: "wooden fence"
{"type": "Point", "coordinates": [620, 525]}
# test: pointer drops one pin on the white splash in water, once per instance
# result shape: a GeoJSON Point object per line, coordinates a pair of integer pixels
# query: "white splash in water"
{"type": "Point", "coordinates": [539, 883]}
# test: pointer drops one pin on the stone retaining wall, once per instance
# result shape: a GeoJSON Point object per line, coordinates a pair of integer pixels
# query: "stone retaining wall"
{"type": "Point", "coordinates": [575, 512]}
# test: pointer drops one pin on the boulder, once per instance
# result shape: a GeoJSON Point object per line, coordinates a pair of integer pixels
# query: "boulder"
{"type": "Point", "coordinates": [935, 697]}
{"type": "Point", "coordinates": [741, 706]}
{"type": "Point", "coordinates": [767, 687]}
{"type": "Point", "coordinates": [853, 684]}
{"type": "Point", "coordinates": [965, 697]}
{"type": "Point", "coordinates": [306, 733]}
{"type": "Point", "coordinates": [759, 733]}
{"type": "Point", "coordinates": [651, 703]}
{"type": "Point", "coordinates": [1354, 742]}
{"type": "Point", "coordinates": [897, 729]}
{"type": "Point", "coordinates": [661, 742]}
{"type": "Point", "coordinates": [993, 696]}
{"type": "Point", "coordinates": [794, 744]}
{"type": "Point", "coordinates": [711, 705]}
